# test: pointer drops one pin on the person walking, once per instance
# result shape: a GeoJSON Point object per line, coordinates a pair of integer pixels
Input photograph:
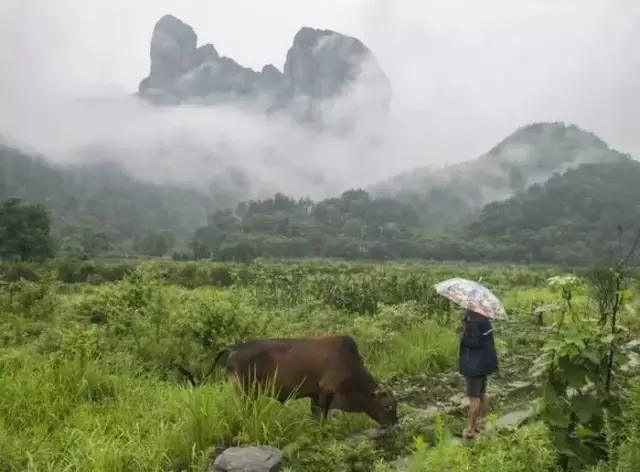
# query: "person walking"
{"type": "Point", "coordinates": [478, 360]}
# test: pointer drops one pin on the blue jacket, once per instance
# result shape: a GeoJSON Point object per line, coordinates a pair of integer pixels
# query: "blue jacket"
{"type": "Point", "coordinates": [478, 354]}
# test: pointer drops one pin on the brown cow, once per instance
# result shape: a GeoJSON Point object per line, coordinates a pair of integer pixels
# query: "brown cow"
{"type": "Point", "coordinates": [327, 369]}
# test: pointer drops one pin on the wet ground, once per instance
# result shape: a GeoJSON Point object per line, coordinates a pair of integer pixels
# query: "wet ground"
{"type": "Point", "coordinates": [422, 397]}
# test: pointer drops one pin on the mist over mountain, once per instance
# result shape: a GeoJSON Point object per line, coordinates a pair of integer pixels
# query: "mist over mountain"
{"type": "Point", "coordinates": [452, 97]}
{"type": "Point", "coordinates": [313, 115]}
{"type": "Point", "coordinates": [100, 201]}
{"type": "Point", "coordinates": [123, 167]}
{"type": "Point", "coordinates": [230, 131]}
{"type": "Point", "coordinates": [569, 191]}
{"type": "Point", "coordinates": [530, 155]}
{"type": "Point", "coordinates": [322, 67]}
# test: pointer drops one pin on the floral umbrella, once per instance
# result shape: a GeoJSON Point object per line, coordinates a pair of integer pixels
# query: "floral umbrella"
{"type": "Point", "coordinates": [472, 296]}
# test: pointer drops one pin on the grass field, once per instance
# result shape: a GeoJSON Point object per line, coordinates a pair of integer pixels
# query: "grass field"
{"type": "Point", "coordinates": [87, 381]}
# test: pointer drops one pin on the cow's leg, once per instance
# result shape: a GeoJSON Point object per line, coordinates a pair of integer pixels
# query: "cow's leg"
{"type": "Point", "coordinates": [234, 380]}
{"type": "Point", "coordinates": [241, 383]}
{"type": "Point", "coordinates": [325, 400]}
{"type": "Point", "coordinates": [316, 409]}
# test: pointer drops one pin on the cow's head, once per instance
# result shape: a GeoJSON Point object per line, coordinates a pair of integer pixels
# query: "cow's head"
{"type": "Point", "coordinates": [383, 406]}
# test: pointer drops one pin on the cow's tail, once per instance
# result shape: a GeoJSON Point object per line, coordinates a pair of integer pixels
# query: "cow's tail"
{"type": "Point", "coordinates": [226, 350]}
{"type": "Point", "coordinates": [183, 370]}
{"type": "Point", "coordinates": [191, 377]}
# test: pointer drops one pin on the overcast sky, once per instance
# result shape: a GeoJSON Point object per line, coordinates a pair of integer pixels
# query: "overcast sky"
{"type": "Point", "coordinates": [469, 71]}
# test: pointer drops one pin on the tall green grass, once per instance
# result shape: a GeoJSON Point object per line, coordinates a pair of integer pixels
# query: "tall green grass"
{"type": "Point", "coordinates": [88, 383]}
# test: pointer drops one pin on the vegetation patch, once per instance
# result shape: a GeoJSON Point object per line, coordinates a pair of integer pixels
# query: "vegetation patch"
{"type": "Point", "coordinates": [89, 378]}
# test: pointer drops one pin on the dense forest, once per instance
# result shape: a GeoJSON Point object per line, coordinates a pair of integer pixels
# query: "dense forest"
{"type": "Point", "coordinates": [563, 192]}
{"type": "Point", "coordinates": [571, 219]}
{"type": "Point", "coordinates": [97, 208]}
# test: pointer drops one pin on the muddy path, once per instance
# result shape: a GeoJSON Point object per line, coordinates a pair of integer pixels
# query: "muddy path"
{"type": "Point", "coordinates": [447, 389]}
{"type": "Point", "coordinates": [423, 397]}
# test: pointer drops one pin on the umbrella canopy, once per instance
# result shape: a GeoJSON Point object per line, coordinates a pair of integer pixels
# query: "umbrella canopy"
{"type": "Point", "coordinates": [472, 296]}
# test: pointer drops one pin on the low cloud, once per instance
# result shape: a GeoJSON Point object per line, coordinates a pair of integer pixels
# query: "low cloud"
{"type": "Point", "coordinates": [460, 82]}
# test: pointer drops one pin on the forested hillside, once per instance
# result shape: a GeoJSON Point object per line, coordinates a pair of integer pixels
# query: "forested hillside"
{"type": "Point", "coordinates": [571, 219]}
{"type": "Point", "coordinates": [351, 226]}
{"type": "Point", "coordinates": [530, 155]}
{"type": "Point", "coordinates": [98, 205]}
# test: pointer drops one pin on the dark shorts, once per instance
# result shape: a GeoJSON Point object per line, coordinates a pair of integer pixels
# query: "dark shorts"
{"type": "Point", "coordinates": [476, 386]}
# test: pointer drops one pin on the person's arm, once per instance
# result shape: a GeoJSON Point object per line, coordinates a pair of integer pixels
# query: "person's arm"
{"type": "Point", "coordinates": [475, 335]}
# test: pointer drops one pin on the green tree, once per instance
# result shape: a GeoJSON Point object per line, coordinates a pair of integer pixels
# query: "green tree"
{"type": "Point", "coordinates": [24, 230]}
{"type": "Point", "coordinates": [169, 239]}
{"type": "Point", "coordinates": [199, 249]}
{"type": "Point", "coordinates": [102, 196]}
{"type": "Point", "coordinates": [94, 242]}
{"type": "Point", "coordinates": [87, 244]}
{"type": "Point", "coordinates": [242, 250]}
{"type": "Point", "coordinates": [153, 244]}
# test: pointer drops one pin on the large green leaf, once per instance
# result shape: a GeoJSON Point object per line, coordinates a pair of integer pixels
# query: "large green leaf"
{"type": "Point", "coordinates": [592, 355]}
{"type": "Point", "coordinates": [608, 339]}
{"type": "Point", "coordinates": [584, 406]}
{"type": "Point", "coordinates": [556, 416]}
{"type": "Point", "coordinates": [573, 372]}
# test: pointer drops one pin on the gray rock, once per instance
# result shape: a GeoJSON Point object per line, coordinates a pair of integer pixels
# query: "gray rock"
{"type": "Point", "coordinates": [323, 64]}
{"type": "Point", "coordinates": [513, 419]}
{"type": "Point", "coordinates": [633, 345]}
{"type": "Point", "coordinates": [321, 68]}
{"type": "Point", "coordinates": [250, 459]}
{"type": "Point", "coordinates": [172, 51]}
{"type": "Point", "coordinates": [519, 387]}
{"type": "Point", "coordinates": [206, 53]}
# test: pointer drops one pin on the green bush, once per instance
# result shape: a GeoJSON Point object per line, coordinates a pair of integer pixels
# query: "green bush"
{"type": "Point", "coordinates": [89, 353]}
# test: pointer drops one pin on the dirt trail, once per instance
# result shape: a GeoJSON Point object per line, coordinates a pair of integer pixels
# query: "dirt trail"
{"type": "Point", "coordinates": [422, 397]}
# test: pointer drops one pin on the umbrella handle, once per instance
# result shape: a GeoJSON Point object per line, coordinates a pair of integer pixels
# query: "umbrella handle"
{"type": "Point", "coordinates": [462, 329]}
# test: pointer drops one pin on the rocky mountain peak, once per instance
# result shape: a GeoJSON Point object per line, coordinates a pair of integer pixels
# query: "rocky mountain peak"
{"type": "Point", "coordinates": [328, 77]}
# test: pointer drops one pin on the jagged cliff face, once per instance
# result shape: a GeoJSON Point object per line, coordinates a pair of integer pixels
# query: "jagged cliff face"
{"type": "Point", "coordinates": [329, 79]}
